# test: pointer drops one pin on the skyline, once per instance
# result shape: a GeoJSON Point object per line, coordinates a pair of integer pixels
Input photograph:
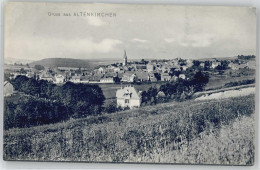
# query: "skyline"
{"type": "Point", "coordinates": [144, 31]}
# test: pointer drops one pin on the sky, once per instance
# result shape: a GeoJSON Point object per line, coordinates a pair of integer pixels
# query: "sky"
{"type": "Point", "coordinates": [32, 32]}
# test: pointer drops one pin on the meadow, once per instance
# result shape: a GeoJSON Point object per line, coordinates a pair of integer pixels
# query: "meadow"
{"type": "Point", "coordinates": [215, 82]}
{"type": "Point", "coordinates": [189, 132]}
{"type": "Point", "coordinates": [109, 90]}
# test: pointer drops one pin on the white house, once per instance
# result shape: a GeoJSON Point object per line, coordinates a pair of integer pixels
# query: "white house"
{"type": "Point", "coordinates": [101, 70]}
{"type": "Point", "coordinates": [129, 77]}
{"type": "Point", "coordinates": [107, 80]}
{"type": "Point", "coordinates": [182, 76]}
{"type": "Point", "coordinates": [202, 65]}
{"type": "Point", "coordinates": [215, 64]}
{"type": "Point", "coordinates": [165, 77]}
{"type": "Point", "coordinates": [59, 79]}
{"type": "Point", "coordinates": [46, 77]}
{"type": "Point", "coordinates": [150, 67]}
{"type": "Point", "coordinates": [128, 97]}
{"type": "Point", "coordinates": [75, 79]}
{"type": "Point", "coordinates": [8, 89]}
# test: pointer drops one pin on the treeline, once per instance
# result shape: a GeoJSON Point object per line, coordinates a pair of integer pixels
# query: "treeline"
{"type": "Point", "coordinates": [76, 100]}
{"type": "Point", "coordinates": [178, 90]}
{"type": "Point", "coordinates": [246, 57]}
{"type": "Point", "coordinates": [239, 83]}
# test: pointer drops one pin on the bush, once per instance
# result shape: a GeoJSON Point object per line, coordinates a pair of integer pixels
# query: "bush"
{"type": "Point", "coordinates": [111, 108]}
{"type": "Point", "coordinates": [33, 112]}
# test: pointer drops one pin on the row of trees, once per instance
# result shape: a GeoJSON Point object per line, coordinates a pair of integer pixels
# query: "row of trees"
{"type": "Point", "coordinates": [246, 57]}
{"type": "Point", "coordinates": [207, 65]}
{"type": "Point", "coordinates": [178, 90]}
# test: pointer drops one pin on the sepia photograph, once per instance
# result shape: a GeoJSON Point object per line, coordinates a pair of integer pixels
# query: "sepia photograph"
{"type": "Point", "coordinates": [129, 83]}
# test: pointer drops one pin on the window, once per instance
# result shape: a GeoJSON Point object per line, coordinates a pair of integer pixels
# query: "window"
{"type": "Point", "coordinates": [126, 100]}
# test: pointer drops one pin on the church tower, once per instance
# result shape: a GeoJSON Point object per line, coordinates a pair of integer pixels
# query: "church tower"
{"type": "Point", "coordinates": [125, 59]}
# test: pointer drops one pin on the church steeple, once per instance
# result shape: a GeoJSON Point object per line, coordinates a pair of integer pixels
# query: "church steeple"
{"type": "Point", "coordinates": [125, 59]}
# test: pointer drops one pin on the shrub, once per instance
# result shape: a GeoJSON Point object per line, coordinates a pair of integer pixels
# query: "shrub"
{"type": "Point", "coordinates": [33, 112]}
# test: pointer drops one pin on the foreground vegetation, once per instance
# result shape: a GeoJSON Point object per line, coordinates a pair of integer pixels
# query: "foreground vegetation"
{"type": "Point", "coordinates": [208, 132]}
{"type": "Point", "coordinates": [41, 102]}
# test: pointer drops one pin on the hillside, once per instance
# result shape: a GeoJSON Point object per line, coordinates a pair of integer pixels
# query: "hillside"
{"type": "Point", "coordinates": [70, 62]}
{"type": "Point", "coordinates": [197, 132]}
{"type": "Point", "coordinates": [63, 62]}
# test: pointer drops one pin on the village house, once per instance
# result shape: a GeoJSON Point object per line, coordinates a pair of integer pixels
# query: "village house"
{"type": "Point", "coordinates": [202, 65]}
{"type": "Point", "coordinates": [47, 78]}
{"type": "Point", "coordinates": [142, 76]}
{"type": "Point", "coordinates": [84, 80]}
{"type": "Point", "coordinates": [117, 69]}
{"type": "Point", "coordinates": [152, 77]}
{"type": "Point", "coordinates": [150, 67]}
{"type": "Point", "coordinates": [165, 69]}
{"type": "Point", "coordinates": [107, 80]}
{"type": "Point", "coordinates": [30, 74]}
{"type": "Point", "coordinates": [165, 77]}
{"type": "Point", "coordinates": [128, 97]}
{"type": "Point", "coordinates": [174, 78]}
{"type": "Point", "coordinates": [184, 68]}
{"type": "Point", "coordinates": [59, 79]}
{"type": "Point", "coordinates": [75, 79]}
{"type": "Point", "coordinates": [215, 64]}
{"type": "Point", "coordinates": [182, 76]}
{"type": "Point", "coordinates": [95, 78]}
{"type": "Point", "coordinates": [79, 79]}
{"type": "Point", "coordinates": [129, 77]}
{"type": "Point", "coordinates": [8, 88]}
{"type": "Point", "coordinates": [189, 62]}
{"type": "Point", "coordinates": [101, 70]}
{"type": "Point", "coordinates": [140, 67]}
{"type": "Point", "coordinates": [68, 68]}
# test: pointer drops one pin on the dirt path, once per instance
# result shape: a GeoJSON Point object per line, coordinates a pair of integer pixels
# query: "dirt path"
{"type": "Point", "coordinates": [227, 92]}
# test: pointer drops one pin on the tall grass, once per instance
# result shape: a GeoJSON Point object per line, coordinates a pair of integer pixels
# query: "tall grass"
{"type": "Point", "coordinates": [211, 132]}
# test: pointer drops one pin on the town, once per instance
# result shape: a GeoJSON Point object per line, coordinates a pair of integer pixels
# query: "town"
{"type": "Point", "coordinates": [121, 81]}
{"type": "Point", "coordinates": [132, 72]}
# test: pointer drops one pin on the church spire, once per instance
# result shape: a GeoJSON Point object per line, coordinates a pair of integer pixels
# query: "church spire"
{"type": "Point", "coordinates": [125, 59]}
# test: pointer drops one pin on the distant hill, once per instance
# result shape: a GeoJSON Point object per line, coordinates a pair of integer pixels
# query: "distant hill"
{"type": "Point", "coordinates": [69, 62]}
{"type": "Point", "coordinates": [63, 62]}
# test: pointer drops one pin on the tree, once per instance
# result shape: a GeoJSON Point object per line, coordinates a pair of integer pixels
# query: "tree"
{"type": "Point", "coordinates": [196, 63]}
{"type": "Point", "coordinates": [152, 93]}
{"type": "Point", "coordinates": [199, 81]}
{"type": "Point", "coordinates": [19, 82]}
{"type": "Point", "coordinates": [43, 87]}
{"type": "Point", "coordinates": [145, 97]}
{"type": "Point", "coordinates": [32, 87]}
{"type": "Point", "coordinates": [223, 65]}
{"type": "Point", "coordinates": [207, 65]}
{"type": "Point", "coordinates": [39, 67]}
{"type": "Point", "coordinates": [22, 71]}
{"type": "Point", "coordinates": [111, 108]}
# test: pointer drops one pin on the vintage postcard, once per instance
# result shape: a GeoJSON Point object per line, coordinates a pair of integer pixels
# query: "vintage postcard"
{"type": "Point", "coordinates": [129, 83]}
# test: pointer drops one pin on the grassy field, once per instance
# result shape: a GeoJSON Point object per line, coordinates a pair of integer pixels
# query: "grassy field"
{"type": "Point", "coordinates": [215, 82]}
{"type": "Point", "coordinates": [109, 90]}
{"type": "Point", "coordinates": [220, 81]}
{"type": "Point", "coordinates": [196, 132]}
